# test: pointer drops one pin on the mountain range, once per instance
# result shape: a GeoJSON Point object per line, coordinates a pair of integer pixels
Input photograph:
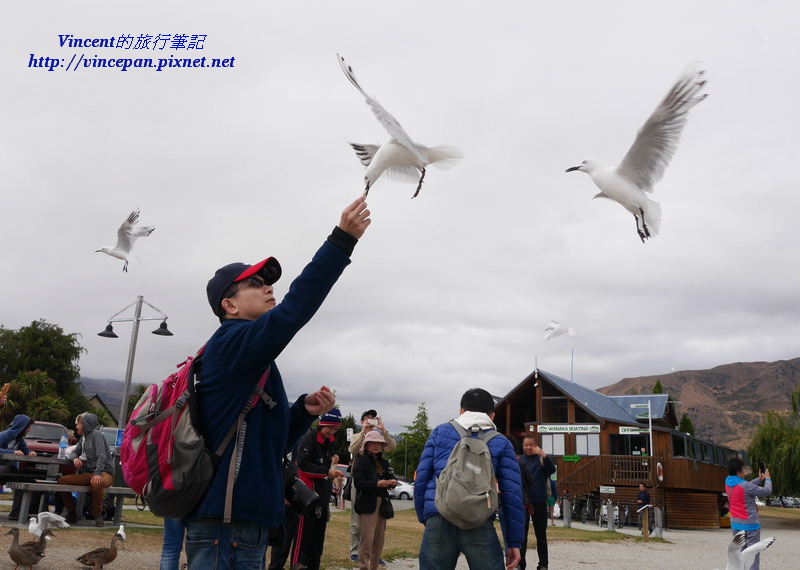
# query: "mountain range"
{"type": "Point", "coordinates": [725, 403]}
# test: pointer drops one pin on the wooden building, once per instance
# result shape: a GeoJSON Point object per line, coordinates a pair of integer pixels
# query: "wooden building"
{"type": "Point", "coordinates": [604, 443]}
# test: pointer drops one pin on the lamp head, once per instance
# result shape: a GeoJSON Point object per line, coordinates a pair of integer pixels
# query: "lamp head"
{"type": "Point", "coordinates": [162, 329]}
{"type": "Point", "coordinates": [108, 332]}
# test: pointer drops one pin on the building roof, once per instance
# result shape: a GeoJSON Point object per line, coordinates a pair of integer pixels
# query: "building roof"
{"type": "Point", "coordinates": [658, 403]}
{"type": "Point", "coordinates": [615, 408]}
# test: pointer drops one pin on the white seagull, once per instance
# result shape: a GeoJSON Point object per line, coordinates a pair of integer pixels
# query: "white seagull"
{"type": "Point", "coordinates": [126, 237]}
{"type": "Point", "coordinates": [400, 157]}
{"type": "Point", "coordinates": [45, 521]}
{"type": "Point", "coordinates": [555, 329]}
{"type": "Point", "coordinates": [741, 558]}
{"type": "Point", "coordinates": [647, 159]}
{"type": "Point", "coordinates": [121, 532]}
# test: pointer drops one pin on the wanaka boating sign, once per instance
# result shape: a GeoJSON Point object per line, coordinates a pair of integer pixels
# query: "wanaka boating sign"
{"type": "Point", "coordinates": [569, 428]}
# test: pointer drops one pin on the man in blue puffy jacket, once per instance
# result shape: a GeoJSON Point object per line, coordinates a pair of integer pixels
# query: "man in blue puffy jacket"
{"type": "Point", "coordinates": [442, 541]}
{"type": "Point", "coordinates": [254, 330]}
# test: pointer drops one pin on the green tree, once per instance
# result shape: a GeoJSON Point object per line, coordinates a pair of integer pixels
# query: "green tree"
{"type": "Point", "coordinates": [340, 443]}
{"type": "Point", "coordinates": [35, 394]}
{"type": "Point", "coordinates": [686, 425]}
{"type": "Point", "coordinates": [658, 389]}
{"type": "Point", "coordinates": [45, 347]}
{"type": "Point", "coordinates": [405, 457]}
{"type": "Point", "coordinates": [777, 443]}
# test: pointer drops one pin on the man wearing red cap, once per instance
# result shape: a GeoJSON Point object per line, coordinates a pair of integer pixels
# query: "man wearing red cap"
{"type": "Point", "coordinates": [315, 470]}
{"type": "Point", "coordinates": [254, 330]}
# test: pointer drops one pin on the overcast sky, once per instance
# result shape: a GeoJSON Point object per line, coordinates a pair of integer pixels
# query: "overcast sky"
{"type": "Point", "coordinates": [455, 288]}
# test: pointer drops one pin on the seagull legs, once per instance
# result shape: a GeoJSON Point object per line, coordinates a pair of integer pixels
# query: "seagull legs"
{"type": "Point", "coordinates": [643, 232]}
{"type": "Point", "coordinates": [366, 190]}
{"type": "Point", "coordinates": [125, 267]}
{"type": "Point", "coordinates": [419, 185]}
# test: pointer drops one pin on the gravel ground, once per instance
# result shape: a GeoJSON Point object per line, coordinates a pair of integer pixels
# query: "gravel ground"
{"type": "Point", "coordinates": [687, 549]}
{"type": "Point", "coordinates": [696, 549]}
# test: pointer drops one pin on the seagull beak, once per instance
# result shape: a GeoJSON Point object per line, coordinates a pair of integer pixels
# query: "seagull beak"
{"type": "Point", "coordinates": [572, 168]}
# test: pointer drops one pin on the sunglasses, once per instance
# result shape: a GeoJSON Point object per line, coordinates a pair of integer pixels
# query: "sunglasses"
{"type": "Point", "coordinates": [249, 282]}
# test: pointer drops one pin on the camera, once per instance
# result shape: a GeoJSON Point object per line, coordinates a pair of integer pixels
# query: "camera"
{"type": "Point", "coordinates": [762, 468]}
{"type": "Point", "coordinates": [372, 422]}
{"type": "Point", "coordinates": [297, 493]}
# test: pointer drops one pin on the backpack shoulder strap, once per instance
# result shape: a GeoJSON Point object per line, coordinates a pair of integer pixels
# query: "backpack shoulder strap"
{"type": "Point", "coordinates": [258, 392]}
{"type": "Point", "coordinates": [460, 430]}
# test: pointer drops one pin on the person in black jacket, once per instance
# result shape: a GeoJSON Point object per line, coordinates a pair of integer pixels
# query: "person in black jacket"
{"type": "Point", "coordinates": [314, 469]}
{"type": "Point", "coordinates": [372, 478]}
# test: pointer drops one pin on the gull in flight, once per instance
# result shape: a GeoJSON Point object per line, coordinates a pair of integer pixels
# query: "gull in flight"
{"type": "Point", "coordinates": [126, 237]}
{"type": "Point", "coordinates": [647, 159]}
{"type": "Point", "coordinates": [400, 157]}
{"type": "Point", "coordinates": [741, 558]}
{"type": "Point", "coordinates": [45, 521]}
{"type": "Point", "coordinates": [555, 329]}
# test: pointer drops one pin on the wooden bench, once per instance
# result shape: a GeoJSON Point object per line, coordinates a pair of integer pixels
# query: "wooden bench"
{"type": "Point", "coordinates": [28, 489]}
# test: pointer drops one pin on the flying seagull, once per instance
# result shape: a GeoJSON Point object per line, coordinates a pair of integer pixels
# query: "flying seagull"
{"type": "Point", "coordinates": [126, 237]}
{"type": "Point", "coordinates": [400, 157]}
{"type": "Point", "coordinates": [741, 558]}
{"type": "Point", "coordinates": [45, 521]}
{"type": "Point", "coordinates": [647, 159]}
{"type": "Point", "coordinates": [555, 329]}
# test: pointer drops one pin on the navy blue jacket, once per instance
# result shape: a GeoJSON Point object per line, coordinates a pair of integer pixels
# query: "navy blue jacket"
{"type": "Point", "coordinates": [434, 458]}
{"type": "Point", "coordinates": [539, 476]}
{"type": "Point", "coordinates": [234, 359]}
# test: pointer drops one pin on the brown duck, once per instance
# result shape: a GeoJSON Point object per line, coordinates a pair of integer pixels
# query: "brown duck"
{"type": "Point", "coordinates": [29, 553]}
{"type": "Point", "coordinates": [99, 557]}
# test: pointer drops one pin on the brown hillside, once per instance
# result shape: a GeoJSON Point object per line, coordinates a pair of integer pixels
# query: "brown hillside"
{"type": "Point", "coordinates": [725, 403]}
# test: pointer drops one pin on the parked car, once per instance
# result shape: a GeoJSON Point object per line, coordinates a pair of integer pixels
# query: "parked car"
{"type": "Point", "coordinates": [110, 433]}
{"type": "Point", "coordinates": [44, 438]}
{"type": "Point", "coordinates": [774, 502]}
{"type": "Point", "coordinates": [403, 491]}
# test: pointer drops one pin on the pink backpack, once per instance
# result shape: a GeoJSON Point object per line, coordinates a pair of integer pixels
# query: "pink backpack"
{"type": "Point", "coordinates": [163, 455]}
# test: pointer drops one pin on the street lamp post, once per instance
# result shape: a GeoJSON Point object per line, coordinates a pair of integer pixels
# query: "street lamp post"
{"type": "Point", "coordinates": [136, 319]}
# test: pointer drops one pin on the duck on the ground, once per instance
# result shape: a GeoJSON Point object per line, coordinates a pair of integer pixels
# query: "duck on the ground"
{"type": "Point", "coordinates": [99, 557]}
{"type": "Point", "coordinates": [29, 553]}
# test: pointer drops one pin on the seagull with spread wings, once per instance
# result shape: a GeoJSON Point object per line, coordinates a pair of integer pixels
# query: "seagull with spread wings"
{"type": "Point", "coordinates": [126, 237]}
{"type": "Point", "coordinates": [400, 157]}
{"type": "Point", "coordinates": [741, 556]}
{"type": "Point", "coordinates": [644, 165]}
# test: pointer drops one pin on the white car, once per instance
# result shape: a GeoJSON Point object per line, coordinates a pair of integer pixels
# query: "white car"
{"type": "Point", "coordinates": [403, 491]}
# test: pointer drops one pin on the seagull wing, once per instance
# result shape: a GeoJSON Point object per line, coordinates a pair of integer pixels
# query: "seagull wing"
{"type": "Point", "coordinates": [125, 237]}
{"type": "Point", "coordinates": [395, 130]}
{"type": "Point", "coordinates": [365, 152]}
{"type": "Point", "coordinates": [657, 140]}
{"type": "Point", "coordinates": [735, 551]}
{"type": "Point", "coordinates": [52, 520]}
{"type": "Point", "coordinates": [749, 553]}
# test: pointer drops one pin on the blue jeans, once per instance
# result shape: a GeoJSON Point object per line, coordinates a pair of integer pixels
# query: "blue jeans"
{"type": "Point", "coordinates": [443, 541]}
{"type": "Point", "coordinates": [217, 546]}
{"type": "Point", "coordinates": [173, 544]}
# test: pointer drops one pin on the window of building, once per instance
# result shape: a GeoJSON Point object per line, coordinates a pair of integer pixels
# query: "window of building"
{"type": "Point", "coordinates": [679, 446]}
{"type": "Point", "coordinates": [587, 444]}
{"type": "Point", "coordinates": [553, 443]}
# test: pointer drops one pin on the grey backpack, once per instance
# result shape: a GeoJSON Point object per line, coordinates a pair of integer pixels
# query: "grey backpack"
{"type": "Point", "coordinates": [466, 489]}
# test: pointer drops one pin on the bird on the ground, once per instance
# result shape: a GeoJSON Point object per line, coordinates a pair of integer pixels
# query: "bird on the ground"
{"type": "Point", "coordinates": [555, 329]}
{"type": "Point", "coordinates": [45, 520]}
{"type": "Point", "coordinates": [400, 157]}
{"type": "Point", "coordinates": [126, 237]}
{"type": "Point", "coordinates": [741, 556]}
{"type": "Point", "coordinates": [99, 557]}
{"type": "Point", "coordinates": [648, 158]}
{"type": "Point", "coordinates": [121, 532]}
{"type": "Point", "coordinates": [29, 553]}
